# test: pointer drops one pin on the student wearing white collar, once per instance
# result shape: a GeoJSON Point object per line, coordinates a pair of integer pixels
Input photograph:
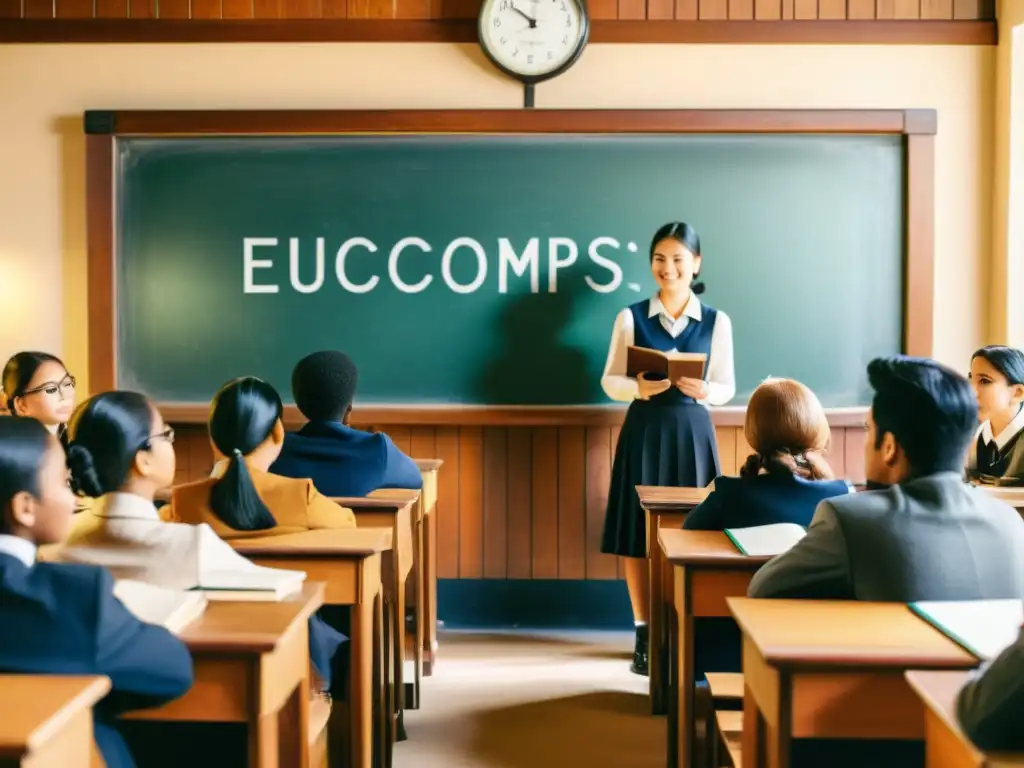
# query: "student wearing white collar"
{"type": "Point", "coordinates": [121, 453]}
{"type": "Point", "coordinates": [997, 454]}
{"type": "Point", "coordinates": [63, 619]}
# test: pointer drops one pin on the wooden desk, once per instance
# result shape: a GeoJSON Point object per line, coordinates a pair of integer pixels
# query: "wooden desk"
{"type": "Point", "coordinates": [349, 561]}
{"type": "Point", "coordinates": [426, 615]}
{"type": "Point", "coordinates": [945, 744]}
{"type": "Point", "coordinates": [47, 720]}
{"type": "Point", "coordinates": [708, 569]}
{"type": "Point", "coordinates": [820, 669]}
{"type": "Point", "coordinates": [392, 510]}
{"type": "Point", "coordinates": [1012, 495]}
{"type": "Point", "coordinates": [664, 507]}
{"type": "Point", "coordinates": [251, 662]}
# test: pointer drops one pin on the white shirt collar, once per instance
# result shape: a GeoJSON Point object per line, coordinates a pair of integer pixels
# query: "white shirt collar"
{"type": "Point", "coordinates": [23, 549]}
{"type": "Point", "coordinates": [1008, 433]}
{"type": "Point", "coordinates": [692, 309]}
{"type": "Point", "coordinates": [126, 505]}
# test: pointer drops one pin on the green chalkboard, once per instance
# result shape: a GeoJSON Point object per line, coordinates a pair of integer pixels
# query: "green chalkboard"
{"type": "Point", "coordinates": [802, 237]}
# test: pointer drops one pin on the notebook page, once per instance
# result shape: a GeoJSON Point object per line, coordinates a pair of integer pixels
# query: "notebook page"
{"type": "Point", "coordinates": [983, 627]}
{"type": "Point", "coordinates": [156, 605]}
{"type": "Point", "coordinates": [766, 540]}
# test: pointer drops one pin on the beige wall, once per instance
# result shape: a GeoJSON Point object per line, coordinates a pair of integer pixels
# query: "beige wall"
{"type": "Point", "coordinates": [44, 89]}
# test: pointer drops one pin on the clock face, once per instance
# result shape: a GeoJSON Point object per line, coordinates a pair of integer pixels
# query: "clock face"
{"type": "Point", "coordinates": [533, 39]}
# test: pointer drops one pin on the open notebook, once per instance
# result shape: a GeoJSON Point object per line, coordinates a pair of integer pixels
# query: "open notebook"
{"type": "Point", "coordinates": [168, 608]}
{"type": "Point", "coordinates": [766, 540]}
{"type": "Point", "coordinates": [252, 583]}
{"type": "Point", "coordinates": [983, 627]}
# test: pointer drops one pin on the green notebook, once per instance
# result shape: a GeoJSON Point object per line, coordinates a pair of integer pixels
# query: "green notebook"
{"type": "Point", "coordinates": [766, 540]}
{"type": "Point", "coordinates": [982, 627]}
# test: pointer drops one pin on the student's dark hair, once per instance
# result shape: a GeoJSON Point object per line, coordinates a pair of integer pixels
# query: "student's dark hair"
{"type": "Point", "coordinates": [17, 375]}
{"type": "Point", "coordinates": [242, 416]}
{"type": "Point", "coordinates": [324, 385]}
{"type": "Point", "coordinates": [1009, 361]}
{"type": "Point", "coordinates": [23, 444]}
{"type": "Point", "coordinates": [105, 433]}
{"type": "Point", "coordinates": [688, 237]}
{"type": "Point", "coordinates": [930, 410]}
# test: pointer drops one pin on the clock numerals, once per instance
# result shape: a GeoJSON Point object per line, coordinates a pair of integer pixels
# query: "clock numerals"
{"type": "Point", "coordinates": [504, 40]}
{"type": "Point", "coordinates": [568, 21]}
{"type": "Point", "coordinates": [504, 5]}
{"type": "Point", "coordinates": [515, 52]}
{"type": "Point", "coordinates": [565, 40]}
{"type": "Point", "coordinates": [550, 55]}
{"type": "Point", "coordinates": [529, 59]}
{"type": "Point", "coordinates": [497, 22]}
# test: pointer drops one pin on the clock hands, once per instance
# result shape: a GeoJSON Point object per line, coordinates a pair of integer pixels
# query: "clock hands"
{"type": "Point", "coordinates": [533, 22]}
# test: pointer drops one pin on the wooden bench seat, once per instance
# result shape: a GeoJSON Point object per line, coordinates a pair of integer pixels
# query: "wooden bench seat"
{"type": "Point", "coordinates": [725, 686]}
{"type": "Point", "coordinates": [729, 725]}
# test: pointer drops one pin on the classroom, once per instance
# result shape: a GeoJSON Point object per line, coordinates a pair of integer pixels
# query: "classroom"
{"type": "Point", "coordinates": [376, 199]}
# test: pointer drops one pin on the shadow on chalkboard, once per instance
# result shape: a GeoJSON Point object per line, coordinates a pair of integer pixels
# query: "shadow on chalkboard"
{"type": "Point", "coordinates": [530, 363]}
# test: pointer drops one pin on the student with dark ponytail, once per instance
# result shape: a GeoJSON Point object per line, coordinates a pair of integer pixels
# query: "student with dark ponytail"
{"type": "Point", "coordinates": [247, 500]}
{"type": "Point", "coordinates": [667, 438]}
{"type": "Point", "coordinates": [997, 454]}
{"type": "Point", "coordinates": [121, 452]}
{"type": "Point", "coordinates": [64, 619]}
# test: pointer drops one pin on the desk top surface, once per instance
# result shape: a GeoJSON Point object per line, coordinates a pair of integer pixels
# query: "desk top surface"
{"type": "Point", "coordinates": [36, 707]}
{"type": "Point", "coordinates": [381, 501]}
{"type": "Point", "coordinates": [343, 543]}
{"type": "Point", "coordinates": [251, 626]}
{"type": "Point", "coordinates": [845, 633]}
{"type": "Point", "coordinates": [707, 548]}
{"type": "Point", "coordinates": [428, 465]}
{"type": "Point", "coordinates": [663, 498]}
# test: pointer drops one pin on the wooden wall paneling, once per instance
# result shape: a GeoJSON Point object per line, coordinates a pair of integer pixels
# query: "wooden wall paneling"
{"type": "Point", "coordinates": [805, 9]}
{"type": "Point", "coordinates": [632, 10]}
{"type": "Point", "coordinates": [173, 9]}
{"type": "Point", "coordinates": [687, 10]}
{"type": "Point", "coordinates": [855, 438]}
{"type": "Point", "coordinates": [422, 443]}
{"type": "Point", "coordinates": [885, 9]}
{"type": "Point", "coordinates": [837, 453]}
{"type": "Point", "coordinates": [519, 453]}
{"type": "Point", "coordinates": [787, 10]}
{"type": "Point", "coordinates": [335, 9]}
{"type": "Point", "coordinates": [741, 10]}
{"type": "Point", "coordinates": [743, 449]}
{"type": "Point", "coordinates": [401, 436]}
{"type": "Point", "coordinates": [495, 517]}
{"type": "Point", "coordinates": [448, 483]}
{"type": "Point", "coordinates": [860, 9]}
{"type": "Point", "coordinates": [661, 10]}
{"type": "Point", "coordinates": [936, 9]}
{"type": "Point", "coordinates": [907, 9]}
{"type": "Point", "coordinates": [10, 9]}
{"type": "Point", "coordinates": [572, 522]}
{"type": "Point", "coordinates": [711, 10]}
{"type": "Point", "coordinates": [613, 444]}
{"type": "Point", "coordinates": [73, 9]}
{"type": "Point", "coordinates": [544, 469]}
{"type": "Point", "coordinates": [726, 439]}
{"type": "Point", "coordinates": [301, 9]}
{"type": "Point", "coordinates": [413, 9]}
{"type": "Point", "coordinates": [832, 9]}
{"type": "Point", "coordinates": [974, 9]}
{"type": "Point", "coordinates": [207, 9]}
{"type": "Point", "coordinates": [471, 507]}
{"type": "Point", "coordinates": [38, 9]}
{"type": "Point", "coordinates": [603, 10]}
{"type": "Point", "coordinates": [111, 9]}
{"type": "Point", "coordinates": [599, 475]}
{"type": "Point", "coordinates": [768, 10]}
{"type": "Point", "coordinates": [141, 9]}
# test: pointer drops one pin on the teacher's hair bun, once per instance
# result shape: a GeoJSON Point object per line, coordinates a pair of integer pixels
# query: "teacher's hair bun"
{"type": "Point", "coordinates": [84, 479]}
{"type": "Point", "coordinates": [697, 287]}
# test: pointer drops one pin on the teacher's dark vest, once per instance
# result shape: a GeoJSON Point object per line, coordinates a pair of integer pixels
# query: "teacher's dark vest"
{"type": "Point", "coordinates": [696, 337]}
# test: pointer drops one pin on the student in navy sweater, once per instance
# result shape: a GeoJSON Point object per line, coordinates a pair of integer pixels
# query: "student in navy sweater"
{"type": "Point", "coordinates": [340, 460]}
{"type": "Point", "coordinates": [786, 476]}
{"type": "Point", "coordinates": [63, 619]}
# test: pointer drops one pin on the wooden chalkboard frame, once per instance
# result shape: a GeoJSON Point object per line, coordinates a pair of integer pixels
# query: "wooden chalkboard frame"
{"type": "Point", "coordinates": [104, 128]}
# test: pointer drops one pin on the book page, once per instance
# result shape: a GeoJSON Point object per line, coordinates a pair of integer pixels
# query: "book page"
{"type": "Point", "coordinates": [766, 540]}
{"type": "Point", "coordinates": [155, 605]}
{"type": "Point", "coordinates": [269, 579]}
{"type": "Point", "coordinates": [983, 627]}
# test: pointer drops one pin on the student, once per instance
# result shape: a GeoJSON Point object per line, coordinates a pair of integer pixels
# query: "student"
{"type": "Point", "coordinates": [341, 460]}
{"type": "Point", "coordinates": [121, 452]}
{"type": "Point", "coordinates": [247, 500]}
{"type": "Point", "coordinates": [668, 437]}
{"type": "Point", "coordinates": [990, 703]}
{"type": "Point", "coordinates": [920, 532]}
{"type": "Point", "coordinates": [786, 476]}
{"type": "Point", "coordinates": [38, 385]}
{"type": "Point", "coordinates": [64, 619]}
{"type": "Point", "coordinates": [997, 455]}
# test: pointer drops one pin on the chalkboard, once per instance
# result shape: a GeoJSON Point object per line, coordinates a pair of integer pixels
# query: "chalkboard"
{"type": "Point", "coordinates": [462, 269]}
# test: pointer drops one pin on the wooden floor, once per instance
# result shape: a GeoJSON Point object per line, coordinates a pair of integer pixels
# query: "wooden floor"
{"type": "Point", "coordinates": [531, 700]}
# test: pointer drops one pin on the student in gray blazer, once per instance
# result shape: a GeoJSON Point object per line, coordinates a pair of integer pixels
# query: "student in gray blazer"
{"type": "Point", "coordinates": [990, 704]}
{"type": "Point", "coordinates": [920, 532]}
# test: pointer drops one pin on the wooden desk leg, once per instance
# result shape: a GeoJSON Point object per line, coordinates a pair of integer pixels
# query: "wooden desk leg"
{"type": "Point", "coordinates": [416, 587]}
{"type": "Point", "coordinates": [753, 732]}
{"type": "Point", "coordinates": [681, 731]}
{"type": "Point", "coordinates": [430, 594]}
{"type": "Point", "coordinates": [656, 627]}
{"type": "Point", "coordinates": [766, 744]}
{"type": "Point", "coordinates": [263, 741]}
{"type": "Point", "coordinates": [399, 661]}
{"type": "Point", "coordinates": [365, 628]}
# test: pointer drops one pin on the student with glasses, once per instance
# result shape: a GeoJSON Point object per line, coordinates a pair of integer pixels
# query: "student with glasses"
{"type": "Point", "coordinates": [37, 385]}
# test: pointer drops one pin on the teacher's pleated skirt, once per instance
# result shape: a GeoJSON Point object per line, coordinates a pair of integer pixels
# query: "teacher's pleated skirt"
{"type": "Point", "coordinates": [660, 443]}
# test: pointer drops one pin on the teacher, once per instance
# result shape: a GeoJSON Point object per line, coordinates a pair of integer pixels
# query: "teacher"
{"type": "Point", "coordinates": [667, 438]}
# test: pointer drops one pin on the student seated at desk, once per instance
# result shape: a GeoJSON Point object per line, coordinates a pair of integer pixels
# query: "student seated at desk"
{"type": "Point", "coordinates": [247, 500]}
{"type": "Point", "coordinates": [341, 460]}
{"type": "Point", "coordinates": [990, 704]}
{"type": "Point", "coordinates": [919, 532]}
{"type": "Point", "coordinates": [997, 454]}
{"type": "Point", "coordinates": [64, 619]}
{"type": "Point", "coordinates": [786, 476]}
{"type": "Point", "coordinates": [121, 452]}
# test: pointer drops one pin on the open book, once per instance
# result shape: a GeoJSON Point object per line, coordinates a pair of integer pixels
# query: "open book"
{"type": "Point", "coordinates": [252, 583]}
{"type": "Point", "coordinates": [766, 540]}
{"type": "Point", "coordinates": [672, 365]}
{"type": "Point", "coordinates": [983, 627]}
{"type": "Point", "coordinates": [168, 608]}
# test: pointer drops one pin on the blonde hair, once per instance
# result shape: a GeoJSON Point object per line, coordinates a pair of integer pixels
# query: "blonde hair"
{"type": "Point", "coordinates": [788, 430]}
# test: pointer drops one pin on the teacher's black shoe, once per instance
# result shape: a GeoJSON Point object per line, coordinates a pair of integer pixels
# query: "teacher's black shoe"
{"type": "Point", "coordinates": [639, 665]}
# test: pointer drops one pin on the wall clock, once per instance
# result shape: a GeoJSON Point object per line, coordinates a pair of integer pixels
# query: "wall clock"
{"type": "Point", "coordinates": [533, 40]}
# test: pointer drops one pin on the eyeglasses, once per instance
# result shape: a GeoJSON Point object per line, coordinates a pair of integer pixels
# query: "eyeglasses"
{"type": "Point", "coordinates": [167, 434]}
{"type": "Point", "coordinates": [62, 389]}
